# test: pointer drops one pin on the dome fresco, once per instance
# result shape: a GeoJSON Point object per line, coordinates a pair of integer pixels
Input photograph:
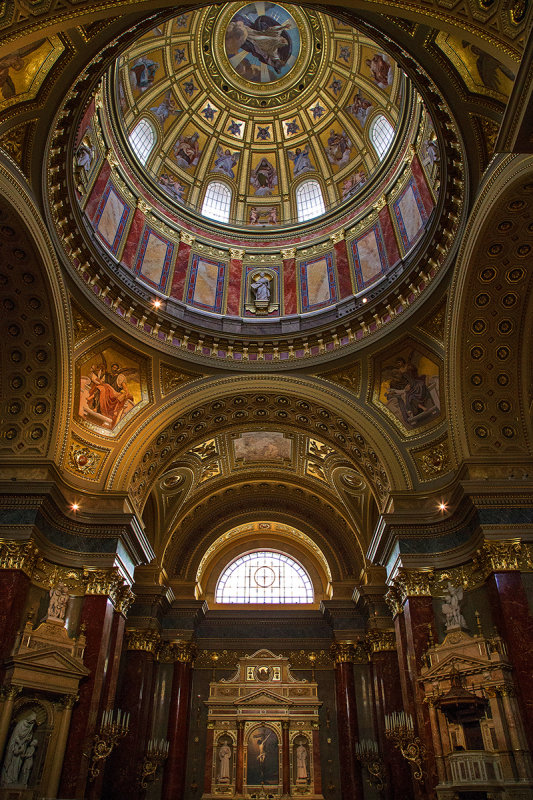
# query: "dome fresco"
{"type": "Point", "coordinates": [259, 99]}
{"type": "Point", "coordinates": [254, 163]}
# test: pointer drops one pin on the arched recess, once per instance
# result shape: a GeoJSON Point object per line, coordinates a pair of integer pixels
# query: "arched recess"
{"type": "Point", "coordinates": [221, 403]}
{"type": "Point", "coordinates": [36, 339]}
{"type": "Point", "coordinates": [263, 535]}
{"type": "Point", "coordinates": [490, 322]}
{"type": "Point", "coordinates": [248, 504]}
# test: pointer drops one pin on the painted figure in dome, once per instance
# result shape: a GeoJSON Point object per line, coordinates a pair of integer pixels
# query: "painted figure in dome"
{"type": "Point", "coordinates": [338, 148]}
{"type": "Point", "coordinates": [301, 161]}
{"type": "Point", "coordinates": [264, 38]}
{"type": "Point", "coordinates": [264, 178]}
{"type": "Point", "coordinates": [187, 150]}
{"type": "Point", "coordinates": [225, 161]}
{"type": "Point", "coordinates": [142, 74]}
{"type": "Point", "coordinates": [359, 107]}
{"type": "Point", "coordinates": [381, 69]}
{"type": "Point", "coordinates": [165, 108]}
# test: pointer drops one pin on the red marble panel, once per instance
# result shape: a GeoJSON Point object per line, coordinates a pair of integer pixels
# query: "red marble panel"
{"type": "Point", "coordinates": [343, 269]}
{"type": "Point", "coordinates": [132, 242]}
{"type": "Point", "coordinates": [87, 117]}
{"type": "Point", "coordinates": [208, 774]}
{"type": "Point", "coordinates": [351, 774]}
{"type": "Point", "coordinates": [234, 287]}
{"type": "Point", "coordinates": [316, 763]}
{"type": "Point", "coordinates": [97, 190]}
{"type": "Point", "coordinates": [514, 622]}
{"type": "Point", "coordinates": [14, 586]}
{"type": "Point", "coordinates": [389, 237]}
{"type": "Point", "coordinates": [419, 618]}
{"type": "Point", "coordinates": [178, 727]}
{"type": "Point", "coordinates": [388, 697]}
{"type": "Point", "coordinates": [290, 305]}
{"type": "Point", "coordinates": [180, 271]}
{"type": "Point", "coordinates": [97, 615]}
{"type": "Point", "coordinates": [420, 178]}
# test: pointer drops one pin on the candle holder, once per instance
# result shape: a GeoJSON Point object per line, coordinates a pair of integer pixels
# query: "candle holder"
{"type": "Point", "coordinates": [399, 728]}
{"type": "Point", "coordinates": [112, 728]}
{"type": "Point", "coordinates": [368, 754]}
{"type": "Point", "coordinates": [156, 755]}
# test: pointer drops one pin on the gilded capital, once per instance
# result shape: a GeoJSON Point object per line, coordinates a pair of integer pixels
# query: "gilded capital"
{"type": "Point", "coordinates": [338, 236]}
{"type": "Point", "coordinates": [125, 599]}
{"type": "Point", "coordinates": [18, 555]}
{"type": "Point", "coordinates": [69, 701]}
{"type": "Point", "coordinates": [104, 582]}
{"type": "Point", "coordinates": [380, 641]}
{"type": "Point", "coordinates": [146, 641]}
{"type": "Point", "coordinates": [348, 651]}
{"type": "Point", "coordinates": [288, 253]}
{"type": "Point", "coordinates": [187, 238]}
{"type": "Point", "coordinates": [506, 555]}
{"type": "Point", "coordinates": [179, 650]}
{"type": "Point", "coordinates": [237, 253]}
{"type": "Point", "coordinates": [413, 583]}
{"type": "Point", "coordinates": [10, 691]}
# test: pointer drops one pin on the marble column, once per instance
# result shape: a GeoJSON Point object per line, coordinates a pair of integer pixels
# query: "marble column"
{"type": "Point", "coordinates": [239, 777]}
{"type": "Point", "coordinates": [135, 698]}
{"type": "Point", "coordinates": [290, 293]}
{"type": "Point", "coordinates": [181, 265]}
{"type": "Point", "coordinates": [511, 614]}
{"type": "Point", "coordinates": [351, 774]}
{"type": "Point", "coordinates": [14, 587]}
{"type": "Point", "coordinates": [286, 758]}
{"type": "Point", "coordinates": [68, 704]}
{"type": "Point", "coordinates": [233, 302]}
{"type": "Point", "coordinates": [173, 787]}
{"type": "Point", "coordinates": [419, 629]}
{"type": "Point", "coordinates": [342, 263]}
{"type": "Point", "coordinates": [208, 768]}
{"type": "Point", "coordinates": [97, 619]}
{"type": "Point", "coordinates": [387, 692]}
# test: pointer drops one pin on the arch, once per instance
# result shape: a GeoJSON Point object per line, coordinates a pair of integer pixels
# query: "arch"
{"type": "Point", "coordinates": [309, 200]}
{"type": "Point", "coordinates": [381, 134]}
{"type": "Point", "coordinates": [264, 576]}
{"type": "Point", "coordinates": [489, 342]}
{"type": "Point", "coordinates": [217, 201]}
{"type": "Point", "coordinates": [143, 139]}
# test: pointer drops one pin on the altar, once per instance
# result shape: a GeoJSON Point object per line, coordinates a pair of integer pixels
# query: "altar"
{"type": "Point", "coordinates": [262, 738]}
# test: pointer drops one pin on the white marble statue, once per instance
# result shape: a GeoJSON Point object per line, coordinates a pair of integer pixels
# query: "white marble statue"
{"type": "Point", "coordinates": [451, 608]}
{"type": "Point", "coordinates": [224, 756]}
{"type": "Point", "coordinates": [261, 287]}
{"type": "Point", "coordinates": [301, 762]}
{"type": "Point", "coordinates": [57, 607]}
{"type": "Point", "coordinates": [27, 766]}
{"type": "Point", "coordinates": [20, 743]}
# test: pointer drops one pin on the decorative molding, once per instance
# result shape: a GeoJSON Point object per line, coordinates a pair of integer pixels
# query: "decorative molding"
{"type": "Point", "coordinates": [178, 650]}
{"type": "Point", "coordinates": [379, 641]}
{"type": "Point", "coordinates": [349, 652]}
{"type": "Point", "coordinates": [147, 641]}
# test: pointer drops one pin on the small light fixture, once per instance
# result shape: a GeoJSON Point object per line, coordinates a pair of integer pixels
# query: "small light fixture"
{"type": "Point", "coordinates": [442, 506]}
{"type": "Point", "coordinates": [157, 303]}
{"type": "Point", "coordinates": [74, 507]}
{"type": "Point", "coordinates": [365, 300]}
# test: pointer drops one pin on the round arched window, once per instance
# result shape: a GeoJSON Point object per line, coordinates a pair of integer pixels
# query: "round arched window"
{"type": "Point", "coordinates": [264, 577]}
{"type": "Point", "coordinates": [217, 202]}
{"type": "Point", "coordinates": [142, 139]}
{"type": "Point", "coordinates": [309, 201]}
{"type": "Point", "coordinates": [381, 135]}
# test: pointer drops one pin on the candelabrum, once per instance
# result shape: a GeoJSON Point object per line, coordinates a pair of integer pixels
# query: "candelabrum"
{"type": "Point", "coordinates": [368, 754]}
{"type": "Point", "coordinates": [113, 726]}
{"type": "Point", "coordinates": [156, 755]}
{"type": "Point", "coordinates": [400, 729]}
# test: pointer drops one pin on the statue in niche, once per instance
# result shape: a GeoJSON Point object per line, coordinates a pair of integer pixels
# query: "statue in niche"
{"type": "Point", "coordinates": [21, 746]}
{"type": "Point", "coordinates": [224, 762]}
{"type": "Point", "coordinates": [57, 608]}
{"type": "Point", "coordinates": [261, 288]}
{"type": "Point", "coordinates": [451, 608]}
{"type": "Point", "coordinates": [301, 763]}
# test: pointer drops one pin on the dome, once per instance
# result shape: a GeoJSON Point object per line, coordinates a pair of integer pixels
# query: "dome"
{"type": "Point", "coordinates": [259, 115]}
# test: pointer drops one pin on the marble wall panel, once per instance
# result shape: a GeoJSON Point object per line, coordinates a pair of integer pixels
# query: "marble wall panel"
{"type": "Point", "coordinates": [111, 218]}
{"type": "Point", "coordinates": [369, 256]}
{"type": "Point", "coordinates": [410, 213]}
{"type": "Point", "coordinates": [317, 283]}
{"type": "Point", "coordinates": [154, 259]}
{"type": "Point", "coordinates": [206, 284]}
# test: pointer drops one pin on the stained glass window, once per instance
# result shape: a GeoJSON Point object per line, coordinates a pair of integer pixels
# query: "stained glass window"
{"type": "Point", "coordinates": [381, 135]}
{"type": "Point", "coordinates": [217, 202]}
{"type": "Point", "coordinates": [309, 201]}
{"type": "Point", "coordinates": [142, 140]}
{"type": "Point", "coordinates": [264, 577]}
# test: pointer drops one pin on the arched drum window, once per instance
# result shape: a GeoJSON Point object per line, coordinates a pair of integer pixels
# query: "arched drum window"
{"type": "Point", "coordinates": [264, 577]}
{"type": "Point", "coordinates": [217, 202]}
{"type": "Point", "coordinates": [381, 135]}
{"type": "Point", "coordinates": [309, 201]}
{"type": "Point", "coordinates": [142, 140]}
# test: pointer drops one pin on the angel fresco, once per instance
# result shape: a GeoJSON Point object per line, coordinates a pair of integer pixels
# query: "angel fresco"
{"type": "Point", "coordinates": [142, 74]}
{"type": "Point", "coordinates": [15, 61]}
{"type": "Point", "coordinates": [352, 184]}
{"type": "Point", "coordinates": [187, 150]}
{"type": "Point", "coordinates": [380, 69]}
{"type": "Point", "coordinates": [338, 148]}
{"type": "Point", "coordinates": [359, 107]}
{"type": "Point", "coordinates": [106, 398]}
{"type": "Point", "coordinates": [165, 108]}
{"type": "Point", "coordinates": [172, 186]}
{"type": "Point", "coordinates": [300, 160]}
{"type": "Point", "coordinates": [225, 161]}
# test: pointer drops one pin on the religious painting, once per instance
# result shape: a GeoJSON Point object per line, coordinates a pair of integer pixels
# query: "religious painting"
{"type": "Point", "coordinates": [144, 71]}
{"type": "Point", "coordinates": [408, 385]}
{"type": "Point", "coordinates": [165, 108]}
{"type": "Point", "coordinates": [338, 147]}
{"type": "Point", "coordinates": [112, 386]}
{"type": "Point", "coordinates": [225, 161]}
{"type": "Point", "coordinates": [301, 162]}
{"type": "Point", "coordinates": [264, 175]}
{"type": "Point", "coordinates": [253, 446]}
{"type": "Point", "coordinates": [353, 183]}
{"type": "Point", "coordinates": [262, 767]}
{"type": "Point", "coordinates": [262, 42]}
{"type": "Point", "coordinates": [172, 186]}
{"type": "Point", "coordinates": [378, 66]}
{"type": "Point", "coordinates": [188, 147]}
{"type": "Point", "coordinates": [480, 71]}
{"type": "Point", "coordinates": [263, 215]}
{"type": "Point", "coordinates": [360, 107]}
{"type": "Point", "coordinates": [23, 71]}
